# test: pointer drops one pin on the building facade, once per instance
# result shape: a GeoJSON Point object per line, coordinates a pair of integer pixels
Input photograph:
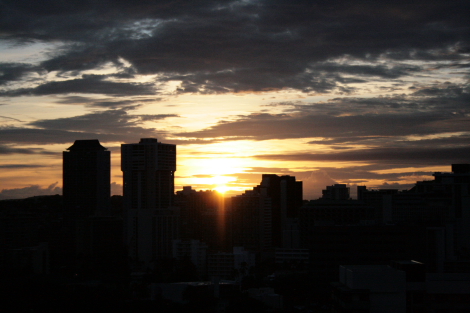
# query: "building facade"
{"type": "Point", "coordinates": [86, 179]}
{"type": "Point", "coordinates": [202, 217]}
{"type": "Point", "coordinates": [151, 221]}
{"type": "Point", "coordinates": [265, 218]}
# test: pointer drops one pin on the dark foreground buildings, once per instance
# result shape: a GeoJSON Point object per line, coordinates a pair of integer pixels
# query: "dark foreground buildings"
{"type": "Point", "coordinates": [410, 247]}
{"type": "Point", "coordinates": [398, 251]}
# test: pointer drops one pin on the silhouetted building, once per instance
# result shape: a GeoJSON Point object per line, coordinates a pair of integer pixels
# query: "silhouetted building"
{"type": "Point", "coordinates": [151, 220]}
{"type": "Point", "coordinates": [336, 212]}
{"type": "Point", "coordinates": [331, 246]}
{"type": "Point", "coordinates": [96, 236]}
{"type": "Point", "coordinates": [379, 199]}
{"type": "Point", "coordinates": [449, 195]}
{"type": "Point", "coordinates": [403, 286]}
{"type": "Point", "coordinates": [148, 168]}
{"type": "Point", "coordinates": [18, 229]}
{"type": "Point", "coordinates": [202, 217]}
{"type": "Point", "coordinates": [86, 179]}
{"type": "Point", "coordinates": [264, 218]}
{"type": "Point", "coordinates": [250, 217]}
{"type": "Point", "coordinates": [442, 202]}
{"type": "Point", "coordinates": [370, 288]}
{"type": "Point", "coordinates": [336, 192]}
{"type": "Point", "coordinates": [191, 250]}
{"type": "Point", "coordinates": [228, 265]}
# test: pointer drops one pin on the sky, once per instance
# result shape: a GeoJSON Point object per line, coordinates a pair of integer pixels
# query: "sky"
{"type": "Point", "coordinates": [371, 93]}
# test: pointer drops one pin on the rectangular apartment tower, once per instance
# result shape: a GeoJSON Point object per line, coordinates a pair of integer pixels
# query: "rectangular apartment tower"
{"type": "Point", "coordinates": [150, 220]}
{"type": "Point", "coordinates": [86, 179]}
{"type": "Point", "coordinates": [265, 218]}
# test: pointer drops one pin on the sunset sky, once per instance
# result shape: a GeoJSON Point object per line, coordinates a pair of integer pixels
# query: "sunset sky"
{"type": "Point", "coordinates": [369, 93]}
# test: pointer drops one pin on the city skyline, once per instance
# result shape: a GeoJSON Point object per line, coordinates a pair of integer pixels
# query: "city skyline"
{"type": "Point", "coordinates": [331, 93]}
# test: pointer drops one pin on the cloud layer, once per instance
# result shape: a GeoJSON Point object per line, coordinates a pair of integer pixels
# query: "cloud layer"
{"type": "Point", "coordinates": [379, 83]}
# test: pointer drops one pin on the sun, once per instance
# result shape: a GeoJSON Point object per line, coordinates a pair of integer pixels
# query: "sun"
{"type": "Point", "coordinates": [220, 181]}
{"type": "Point", "coordinates": [221, 189]}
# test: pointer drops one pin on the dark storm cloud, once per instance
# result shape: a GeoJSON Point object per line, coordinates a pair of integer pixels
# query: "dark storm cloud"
{"type": "Point", "coordinates": [19, 166]}
{"type": "Point", "coordinates": [441, 98]}
{"type": "Point", "coordinates": [381, 71]}
{"type": "Point", "coordinates": [223, 46]}
{"type": "Point", "coordinates": [281, 126]}
{"type": "Point", "coordinates": [79, 20]}
{"type": "Point", "coordinates": [49, 136]}
{"type": "Point", "coordinates": [105, 103]}
{"type": "Point", "coordinates": [107, 126]}
{"type": "Point", "coordinates": [14, 71]}
{"type": "Point", "coordinates": [5, 149]}
{"type": "Point", "coordinates": [358, 174]}
{"type": "Point", "coordinates": [92, 102]}
{"type": "Point", "coordinates": [112, 125]}
{"type": "Point", "coordinates": [88, 84]}
{"type": "Point", "coordinates": [454, 140]}
{"type": "Point", "coordinates": [254, 79]}
{"type": "Point", "coordinates": [394, 156]}
{"type": "Point", "coordinates": [118, 121]}
{"type": "Point", "coordinates": [156, 117]}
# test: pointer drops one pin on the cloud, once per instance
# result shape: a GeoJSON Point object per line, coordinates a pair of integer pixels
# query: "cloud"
{"type": "Point", "coordinates": [18, 166]}
{"type": "Point", "coordinates": [10, 72]}
{"type": "Point", "coordinates": [344, 53]}
{"type": "Point", "coordinates": [94, 84]}
{"type": "Point", "coordinates": [47, 136]}
{"type": "Point", "coordinates": [10, 118]}
{"type": "Point", "coordinates": [7, 149]}
{"type": "Point", "coordinates": [265, 126]}
{"type": "Point", "coordinates": [93, 102]}
{"type": "Point", "coordinates": [156, 117]}
{"type": "Point", "coordinates": [315, 182]}
{"type": "Point", "coordinates": [380, 70]}
{"type": "Point", "coordinates": [408, 156]}
{"type": "Point", "coordinates": [33, 190]}
{"type": "Point", "coordinates": [108, 126]}
{"type": "Point", "coordinates": [363, 174]}
{"type": "Point", "coordinates": [233, 46]}
{"type": "Point", "coordinates": [436, 109]}
{"type": "Point", "coordinates": [116, 189]}
{"type": "Point", "coordinates": [109, 121]}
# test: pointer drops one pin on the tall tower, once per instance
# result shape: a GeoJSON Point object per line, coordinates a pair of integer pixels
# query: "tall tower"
{"type": "Point", "coordinates": [285, 196]}
{"type": "Point", "coordinates": [91, 231]}
{"type": "Point", "coordinates": [151, 222]}
{"type": "Point", "coordinates": [86, 179]}
{"type": "Point", "coordinates": [264, 218]}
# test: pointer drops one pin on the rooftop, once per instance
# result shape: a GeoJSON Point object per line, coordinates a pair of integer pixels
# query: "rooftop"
{"type": "Point", "coordinates": [87, 144]}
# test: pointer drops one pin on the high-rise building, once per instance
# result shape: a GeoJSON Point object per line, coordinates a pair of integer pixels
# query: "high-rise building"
{"type": "Point", "coordinates": [202, 217]}
{"type": "Point", "coordinates": [148, 169]}
{"type": "Point", "coordinates": [86, 192]}
{"type": "Point", "coordinates": [86, 179]}
{"type": "Point", "coordinates": [263, 218]}
{"type": "Point", "coordinates": [336, 192]}
{"type": "Point", "coordinates": [151, 221]}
